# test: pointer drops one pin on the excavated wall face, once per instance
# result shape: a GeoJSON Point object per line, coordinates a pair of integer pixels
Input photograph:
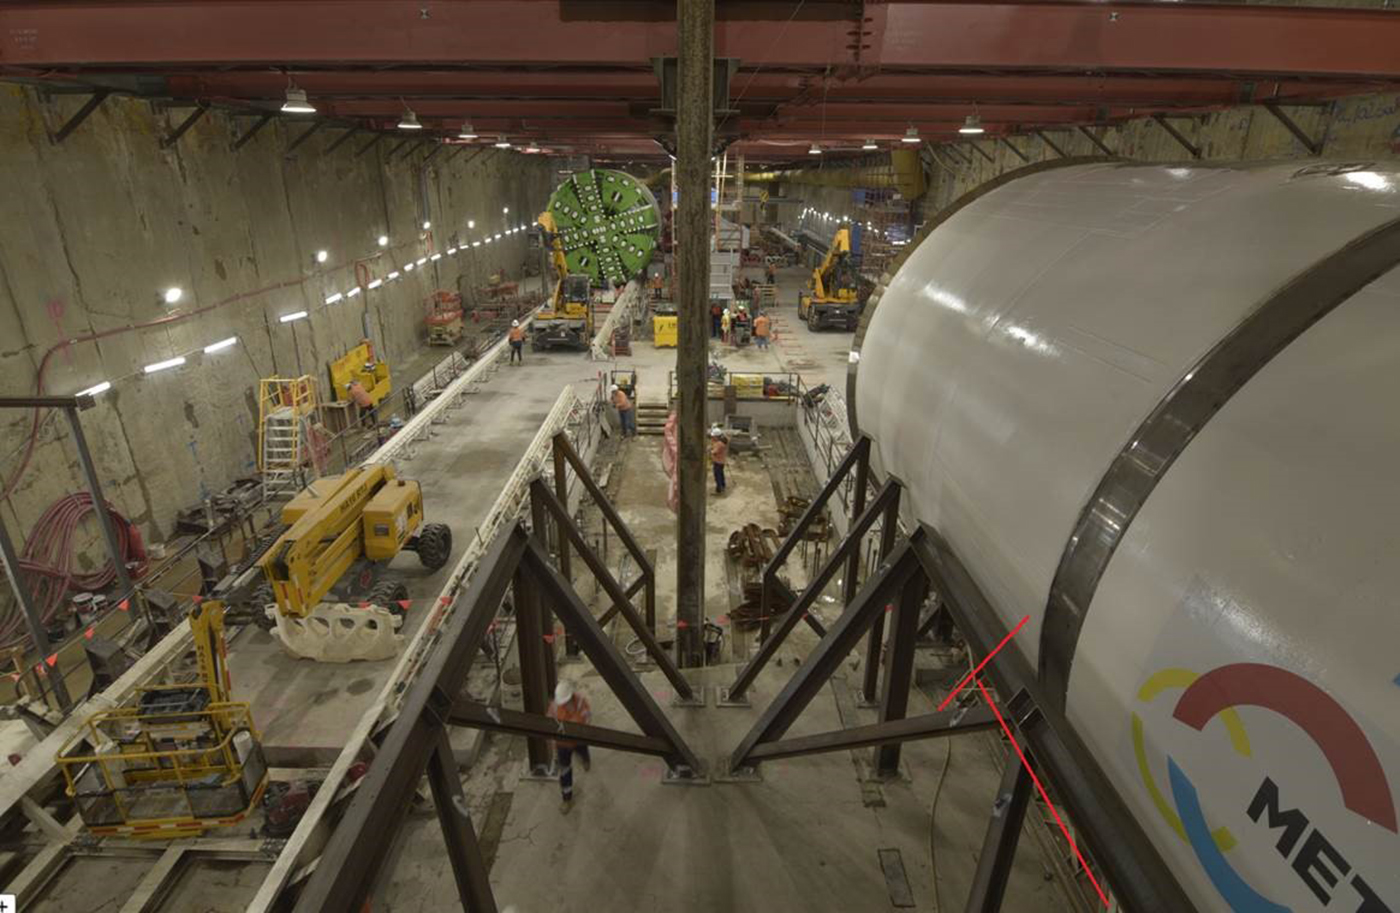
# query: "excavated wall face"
{"type": "Point", "coordinates": [98, 226]}
{"type": "Point", "coordinates": [1151, 407]}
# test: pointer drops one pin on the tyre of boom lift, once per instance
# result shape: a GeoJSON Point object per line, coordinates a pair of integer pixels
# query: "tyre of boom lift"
{"type": "Point", "coordinates": [390, 595]}
{"type": "Point", "coordinates": [434, 545]}
{"type": "Point", "coordinates": [263, 597]}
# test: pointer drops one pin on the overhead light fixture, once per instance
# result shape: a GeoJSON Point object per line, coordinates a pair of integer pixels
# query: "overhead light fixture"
{"type": "Point", "coordinates": [392, 276]}
{"type": "Point", "coordinates": [407, 267]}
{"type": "Point", "coordinates": [296, 102]}
{"type": "Point", "coordinates": [505, 210]}
{"type": "Point", "coordinates": [450, 250]}
{"type": "Point", "coordinates": [439, 256]}
{"type": "Point", "coordinates": [409, 121]}
{"type": "Point", "coordinates": [498, 236]}
{"type": "Point", "coordinates": [374, 284]}
{"type": "Point", "coordinates": [168, 363]}
{"type": "Point", "coordinates": [476, 244]}
{"type": "Point", "coordinates": [972, 126]}
{"type": "Point", "coordinates": [814, 149]}
{"type": "Point", "coordinates": [95, 389]}
{"type": "Point", "coordinates": [911, 135]}
{"type": "Point", "coordinates": [471, 223]}
{"type": "Point", "coordinates": [322, 256]}
{"type": "Point", "coordinates": [427, 225]}
{"type": "Point", "coordinates": [383, 240]}
{"type": "Point", "coordinates": [353, 292]}
{"type": "Point", "coordinates": [869, 145]}
{"type": "Point", "coordinates": [295, 315]}
{"type": "Point", "coordinates": [334, 298]}
{"type": "Point", "coordinates": [173, 295]}
{"type": "Point", "coordinates": [420, 261]}
{"type": "Point", "coordinates": [502, 142]}
{"type": "Point", "coordinates": [467, 131]}
{"type": "Point", "coordinates": [220, 345]}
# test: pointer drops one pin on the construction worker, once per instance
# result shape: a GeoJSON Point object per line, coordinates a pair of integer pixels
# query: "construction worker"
{"type": "Point", "coordinates": [626, 416]}
{"type": "Point", "coordinates": [770, 275]}
{"type": "Point", "coordinates": [760, 330]}
{"type": "Point", "coordinates": [363, 401]}
{"type": "Point", "coordinates": [719, 456]}
{"type": "Point", "coordinates": [569, 707]}
{"type": "Point", "coordinates": [517, 342]}
{"type": "Point", "coordinates": [716, 318]}
{"type": "Point", "coordinates": [724, 322]}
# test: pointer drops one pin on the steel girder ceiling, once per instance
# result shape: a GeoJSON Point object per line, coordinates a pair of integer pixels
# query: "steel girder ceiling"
{"type": "Point", "coordinates": [578, 73]}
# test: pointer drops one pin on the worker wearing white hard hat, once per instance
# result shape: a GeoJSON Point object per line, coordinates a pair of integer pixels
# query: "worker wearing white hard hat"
{"type": "Point", "coordinates": [719, 457]}
{"type": "Point", "coordinates": [569, 707]}
{"type": "Point", "coordinates": [725, 320]}
{"type": "Point", "coordinates": [517, 342]}
{"type": "Point", "coordinates": [626, 415]}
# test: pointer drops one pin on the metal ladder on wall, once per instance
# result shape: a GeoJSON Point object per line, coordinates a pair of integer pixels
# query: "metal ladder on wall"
{"type": "Point", "coordinates": [284, 409]}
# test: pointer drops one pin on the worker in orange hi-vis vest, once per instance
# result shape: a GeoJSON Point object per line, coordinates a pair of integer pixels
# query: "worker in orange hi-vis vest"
{"type": "Point", "coordinates": [517, 342]}
{"type": "Point", "coordinates": [625, 416]}
{"type": "Point", "coordinates": [569, 707]}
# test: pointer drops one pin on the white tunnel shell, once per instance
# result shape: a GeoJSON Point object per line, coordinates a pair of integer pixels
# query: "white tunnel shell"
{"type": "Point", "coordinates": [1009, 362]}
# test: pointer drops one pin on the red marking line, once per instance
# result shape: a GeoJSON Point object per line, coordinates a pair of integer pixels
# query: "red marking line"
{"type": "Point", "coordinates": [988, 658]}
{"type": "Point", "coordinates": [1041, 789]}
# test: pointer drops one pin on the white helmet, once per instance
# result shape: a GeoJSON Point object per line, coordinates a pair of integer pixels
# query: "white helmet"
{"type": "Point", "coordinates": [564, 691]}
{"type": "Point", "coordinates": [614, 388]}
{"type": "Point", "coordinates": [515, 323]}
{"type": "Point", "coordinates": [726, 312]}
{"type": "Point", "coordinates": [716, 431]}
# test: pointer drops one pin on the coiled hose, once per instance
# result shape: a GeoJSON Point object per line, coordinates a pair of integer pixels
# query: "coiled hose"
{"type": "Point", "coordinates": [47, 563]}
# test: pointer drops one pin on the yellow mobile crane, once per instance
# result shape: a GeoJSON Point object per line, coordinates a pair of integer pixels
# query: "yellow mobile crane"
{"type": "Point", "coordinates": [566, 319]}
{"type": "Point", "coordinates": [182, 760]}
{"type": "Point", "coordinates": [834, 293]}
{"type": "Point", "coordinates": [325, 572]}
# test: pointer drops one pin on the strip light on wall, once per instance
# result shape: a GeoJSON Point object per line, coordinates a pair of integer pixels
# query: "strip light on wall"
{"type": "Point", "coordinates": [95, 389]}
{"type": "Point", "coordinates": [220, 345]}
{"type": "Point", "coordinates": [334, 298]}
{"type": "Point", "coordinates": [162, 365]}
{"type": "Point", "coordinates": [295, 315]}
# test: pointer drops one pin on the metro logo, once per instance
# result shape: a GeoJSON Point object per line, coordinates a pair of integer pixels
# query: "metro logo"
{"type": "Point", "coordinates": [1319, 865]}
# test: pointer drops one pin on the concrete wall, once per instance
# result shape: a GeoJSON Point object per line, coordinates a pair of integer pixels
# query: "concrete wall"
{"type": "Point", "coordinates": [97, 226]}
{"type": "Point", "coordinates": [1361, 127]}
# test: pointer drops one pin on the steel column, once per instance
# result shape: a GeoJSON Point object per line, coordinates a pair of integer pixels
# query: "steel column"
{"type": "Point", "coordinates": [889, 531]}
{"type": "Point", "coordinates": [529, 638]}
{"type": "Point", "coordinates": [899, 671]}
{"type": "Point", "coordinates": [769, 646]}
{"type": "Point", "coordinates": [829, 653]}
{"type": "Point", "coordinates": [539, 530]}
{"type": "Point", "coordinates": [862, 482]}
{"type": "Point", "coordinates": [463, 849]}
{"type": "Point", "coordinates": [1003, 833]}
{"type": "Point", "coordinates": [31, 616]}
{"type": "Point", "coordinates": [99, 503]}
{"type": "Point", "coordinates": [695, 26]}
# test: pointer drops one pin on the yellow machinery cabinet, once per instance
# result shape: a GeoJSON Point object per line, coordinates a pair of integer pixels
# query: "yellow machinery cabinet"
{"type": "Point", "coordinates": [313, 495]}
{"type": "Point", "coordinates": [360, 364]}
{"type": "Point", "coordinates": [664, 330]}
{"type": "Point", "coordinates": [391, 516]}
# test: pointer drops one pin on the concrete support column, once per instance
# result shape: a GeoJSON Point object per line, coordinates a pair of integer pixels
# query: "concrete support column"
{"type": "Point", "coordinates": [695, 20]}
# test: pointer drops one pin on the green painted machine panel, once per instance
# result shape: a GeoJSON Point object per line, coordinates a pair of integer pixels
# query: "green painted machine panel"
{"type": "Point", "coordinates": [608, 224]}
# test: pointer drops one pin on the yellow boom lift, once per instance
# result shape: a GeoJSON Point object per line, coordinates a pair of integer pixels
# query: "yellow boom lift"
{"type": "Point", "coordinates": [566, 320]}
{"type": "Point", "coordinates": [182, 760]}
{"type": "Point", "coordinates": [834, 293]}
{"type": "Point", "coordinates": [325, 573]}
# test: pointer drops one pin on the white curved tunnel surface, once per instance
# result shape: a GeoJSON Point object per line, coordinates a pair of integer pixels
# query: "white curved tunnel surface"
{"type": "Point", "coordinates": [1235, 664]}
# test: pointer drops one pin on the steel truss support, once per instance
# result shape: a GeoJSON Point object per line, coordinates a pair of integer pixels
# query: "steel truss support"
{"type": "Point", "coordinates": [564, 453]}
{"type": "Point", "coordinates": [982, 152]}
{"type": "Point", "coordinates": [82, 114]}
{"type": "Point", "coordinates": [1004, 828]}
{"type": "Point", "coordinates": [378, 137]}
{"type": "Point", "coordinates": [899, 574]}
{"type": "Point", "coordinates": [1006, 141]}
{"type": "Point", "coordinates": [541, 495]}
{"type": "Point", "coordinates": [306, 135]}
{"type": "Point", "coordinates": [416, 744]}
{"type": "Point", "coordinates": [1051, 143]}
{"type": "Point", "coordinates": [1106, 827]}
{"type": "Point", "coordinates": [1093, 137]}
{"type": "Point", "coordinates": [1191, 148]}
{"type": "Point", "coordinates": [769, 647]}
{"type": "Point", "coordinates": [341, 140]}
{"type": "Point", "coordinates": [1314, 146]}
{"type": "Point", "coordinates": [889, 531]}
{"type": "Point", "coordinates": [252, 131]}
{"type": "Point", "coordinates": [193, 118]}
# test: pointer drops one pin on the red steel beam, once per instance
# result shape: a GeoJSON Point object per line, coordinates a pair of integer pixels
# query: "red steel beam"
{"type": "Point", "coordinates": [1255, 39]}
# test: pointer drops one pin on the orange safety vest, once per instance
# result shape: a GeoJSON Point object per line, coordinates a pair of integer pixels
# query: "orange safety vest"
{"type": "Point", "coordinates": [760, 325]}
{"type": "Point", "coordinates": [719, 451]}
{"type": "Point", "coordinates": [575, 710]}
{"type": "Point", "coordinates": [517, 334]}
{"type": "Point", "coordinates": [621, 401]}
